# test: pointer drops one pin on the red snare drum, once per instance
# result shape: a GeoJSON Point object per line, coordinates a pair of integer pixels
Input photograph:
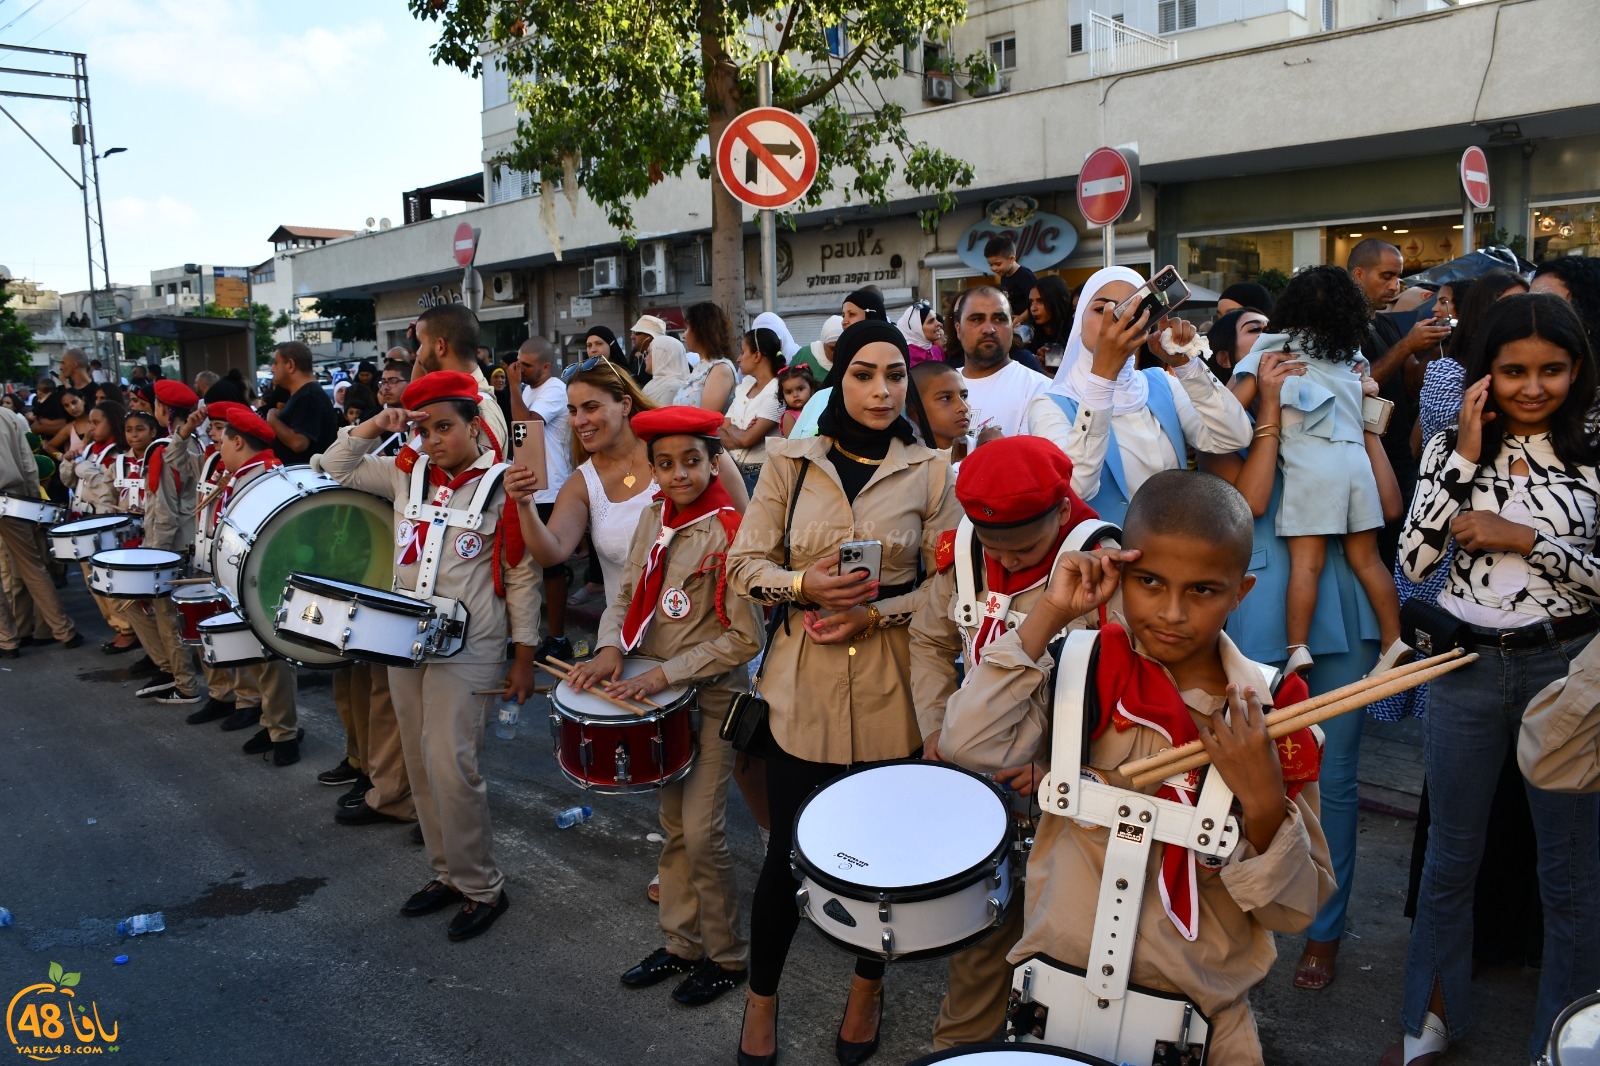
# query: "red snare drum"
{"type": "Point", "coordinates": [603, 748]}
{"type": "Point", "coordinates": [196, 603]}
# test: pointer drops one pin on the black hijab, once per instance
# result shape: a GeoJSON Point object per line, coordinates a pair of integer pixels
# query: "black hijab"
{"type": "Point", "coordinates": [835, 421]}
{"type": "Point", "coordinates": [870, 301]}
{"type": "Point", "coordinates": [615, 354]}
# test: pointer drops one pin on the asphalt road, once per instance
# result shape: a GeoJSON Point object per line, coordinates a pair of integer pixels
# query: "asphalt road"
{"type": "Point", "coordinates": [283, 941]}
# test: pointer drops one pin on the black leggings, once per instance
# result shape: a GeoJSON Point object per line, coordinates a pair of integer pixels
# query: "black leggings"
{"type": "Point", "coordinates": [773, 914]}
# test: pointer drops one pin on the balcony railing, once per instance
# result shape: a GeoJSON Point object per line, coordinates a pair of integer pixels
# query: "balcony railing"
{"type": "Point", "coordinates": [1114, 47]}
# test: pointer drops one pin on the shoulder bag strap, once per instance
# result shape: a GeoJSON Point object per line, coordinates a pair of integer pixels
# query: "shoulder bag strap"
{"type": "Point", "coordinates": [780, 613]}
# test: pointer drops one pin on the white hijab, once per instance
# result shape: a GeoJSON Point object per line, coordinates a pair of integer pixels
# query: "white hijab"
{"type": "Point", "coordinates": [768, 320]}
{"type": "Point", "coordinates": [669, 370]}
{"type": "Point", "coordinates": [910, 325]}
{"type": "Point", "coordinates": [1132, 390]}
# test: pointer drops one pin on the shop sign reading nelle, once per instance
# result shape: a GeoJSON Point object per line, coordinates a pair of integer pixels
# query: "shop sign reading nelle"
{"type": "Point", "coordinates": [1042, 239]}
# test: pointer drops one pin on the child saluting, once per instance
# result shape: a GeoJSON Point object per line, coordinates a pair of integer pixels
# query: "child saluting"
{"type": "Point", "coordinates": [1165, 678]}
{"type": "Point", "coordinates": [673, 605]}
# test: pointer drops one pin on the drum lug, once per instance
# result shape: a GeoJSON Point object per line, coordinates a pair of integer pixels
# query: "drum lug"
{"type": "Point", "coordinates": [586, 753]}
{"type": "Point", "coordinates": [883, 906]}
{"type": "Point", "coordinates": [888, 944]}
{"type": "Point", "coordinates": [1027, 984]}
{"type": "Point", "coordinates": [344, 635]}
{"type": "Point", "coordinates": [802, 899]}
{"type": "Point", "coordinates": [995, 908]}
{"type": "Point", "coordinates": [994, 873]}
{"type": "Point", "coordinates": [350, 612]}
{"type": "Point", "coordinates": [624, 764]}
{"type": "Point", "coordinates": [417, 652]}
{"type": "Point", "coordinates": [555, 730]}
{"type": "Point", "coordinates": [658, 750]}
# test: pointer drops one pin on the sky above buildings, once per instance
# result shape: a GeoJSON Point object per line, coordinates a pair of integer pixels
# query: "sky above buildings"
{"type": "Point", "coordinates": [238, 116]}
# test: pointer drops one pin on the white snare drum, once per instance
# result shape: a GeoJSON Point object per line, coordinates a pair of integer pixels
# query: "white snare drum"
{"type": "Point", "coordinates": [1009, 1055]}
{"type": "Point", "coordinates": [603, 748]}
{"type": "Point", "coordinates": [134, 573]}
{"type": "Point", "coordinates": [28, 508]}
{"type": "Point", "coordinates": [357, 622]}
{"type": "Point", "coordinates": [227, 640]}
{"type": "Point", "coordinates": [76, 541]}
{"type": "Point", "coordinates": [906, 860]}
{"type": "Point", "coordinates": [289, 519]}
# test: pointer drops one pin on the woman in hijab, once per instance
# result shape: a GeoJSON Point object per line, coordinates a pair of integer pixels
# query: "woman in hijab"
{"type": "Point", "coordinates": [836, 674]}
{"type": "Point", "coordinates": [768, 320]}
{"type": "Point", "coordinates": [598, 343]}
{"type": "Point", "coordinates": [1139, 421]}
{"type": "Point", "coordinates": [667, 363]}
{"type": "Point", "coordinates": [863, 304]}
{"type": "Point", "coordinates": [922, 331]}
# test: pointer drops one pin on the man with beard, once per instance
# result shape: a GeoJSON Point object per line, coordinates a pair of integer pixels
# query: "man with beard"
{"type": "Point", "coordinates": [999, 389]}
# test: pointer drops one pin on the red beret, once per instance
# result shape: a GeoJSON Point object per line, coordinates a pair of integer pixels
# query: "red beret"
{"type": "Point", "coordinates": [1015, 480]}
{"type": "Point", "coordinates": [440, 385]}
{"type": "Point", "coordinates": [218, 411]}
{"type": "Point", "coordinates": [245, 421]}
{"type": "Point", "coordinates": [668, 421]}
{"type": "Point", "coordinates": [176, 394]}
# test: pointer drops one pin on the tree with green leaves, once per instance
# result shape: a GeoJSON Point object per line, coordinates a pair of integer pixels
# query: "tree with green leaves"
{"type": "Point", "coordinates": [616, 95]}
{"type": "Point", "coordinates": [353, 320]}
{"type": "Point", "coordinates": [16, 342]}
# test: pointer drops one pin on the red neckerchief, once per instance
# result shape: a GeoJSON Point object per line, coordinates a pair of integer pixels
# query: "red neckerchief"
{"type": "Point", "coordinates": [103, 453]}
{"type": "Point", "coordinates": [1137, 691]}
{"type": "Point", "coordinates": [155, 463]}
{"type": "Point", "coordinates": [647, 594]}
{"type": "Point", "coordinates": [444, 488]}
{"type": "Point", "coordinates": [263, 459]}
{"type": "Point", "coordinates": [1008, 584]}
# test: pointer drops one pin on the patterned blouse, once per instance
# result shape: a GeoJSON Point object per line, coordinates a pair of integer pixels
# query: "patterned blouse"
{"type": "Point", "coordinates": [1560, 577]}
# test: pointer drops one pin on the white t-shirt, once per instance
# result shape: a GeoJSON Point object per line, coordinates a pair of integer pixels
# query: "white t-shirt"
{"type": "Point", "coordinates": [1002, 398]}
{"type": "Point", "coordinates": [746, 408]}
{"type": "Point", "coordinates": [549, 402]}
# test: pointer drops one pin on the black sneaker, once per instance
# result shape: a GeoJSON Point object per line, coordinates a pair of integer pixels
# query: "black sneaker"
{"type": "Point", "coordinates": [158, 684]}
{"type": "Point", "coordinates": [343, 774]}
{"type": "Point", "coordinates": [554, 648]}
{"type": "Point", "coordinates": [243, 718]}
{"type": "Point", "coordinates": [213, 710]}
{"type": "Point", "coordinates": [287, 752]}
{"type": "Point", "coordinates": [659, 965]}
{"type": "Point", "coordinates": [177, 695]}
{"type": "Point", "coordinates": [144, 666]}
{"type": "Point", "coordinates": [259, 744]}
{"type": "Point", "coordinates": [707, 981]}
{"type": "Point", "coordinates": [357, 794]}
{"type": "Point", "coordinates": [74, 641]}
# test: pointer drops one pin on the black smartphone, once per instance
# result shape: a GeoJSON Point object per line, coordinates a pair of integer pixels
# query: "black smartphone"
{"type": "Point", "coordinates": [1160, 296]}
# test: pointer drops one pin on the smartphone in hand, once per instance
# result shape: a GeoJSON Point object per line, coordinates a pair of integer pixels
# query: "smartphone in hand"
{"type": "Point", "coordinates": [862, 556]}
{"type": "Point", "coordinates": [527, 448]}
{"type": "Point", "coordinates": [1160, 296]}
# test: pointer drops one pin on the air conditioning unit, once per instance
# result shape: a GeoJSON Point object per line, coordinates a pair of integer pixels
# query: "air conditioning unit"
{"type": "Point", "coordinates": [655, 268]}
{"type": "Point", "coordinates": [607, 274]}
{"type": "Point", "coordinates": [1001, 84]}
{"type": "Point", "coordinates": [503, 286]}
{"type": "Point", "coordinates": [938, 87]}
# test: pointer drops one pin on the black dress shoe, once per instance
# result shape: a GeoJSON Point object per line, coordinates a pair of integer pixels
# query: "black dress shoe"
{"type": "Point", "coordinates": [243, 718]}
{"type": "Point", "coordinates": [850, 1053]}
{"type": "Point", "coordinates": [747, 1059]}
{"type": "Point", "coordinates": [435, 895]}
{"type": "Point", "coordinates": [287, 752]}
{"type": "Point", "coordinates": [475, 917]}
{"type": "Point", "coordinates": [415, 835]}
{"type": "Point", "coordinates": [213, 710]}
{"type": "Point", "coordinates": [658, 966]}
{"type": "Point", "coordinates": [259, 744]}
{"type": "Point", "coordinates": [111, 647]}
{"type": "Point", "coordinates": [10, 653]}
{"type": "Point", "coordinates": [143, 666]}
{"type": "Point", "coordinates": [74, 641]}
{"type": "Point", "coordinates": [706, 982]}
{"type": "Point", "coordinates": [361, 814]}
{"type": "Point", "coordinates": [343, 774]}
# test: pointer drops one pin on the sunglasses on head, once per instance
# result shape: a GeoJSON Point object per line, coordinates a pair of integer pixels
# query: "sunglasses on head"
{"type": "Point", "coordinates": [589, 364]}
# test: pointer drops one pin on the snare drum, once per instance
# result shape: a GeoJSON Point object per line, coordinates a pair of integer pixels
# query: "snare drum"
{"type": "Point", "coordinates": [355, 622]}
{"type": "Point", "coordinates": [1009, 1055]}
{"type": "Point", "coordinates": [134, 573]}
{"type": "Point", "coordinates": [76, 541]}
{"type": "Point", "coordinates": [196, 603]}
{"type": "Point", "coordinates": [603, 748]}
{"type": "Point", "coordinates": [226, 640]}
{"type": "Point", "coordinates": [28, 508]}
{"type": "Point", "coordinates": [905, 860]}
{"type": "Point", "coordinates": [1575, 1036]}
{"type": "Point", "coordinates": [292, 518]}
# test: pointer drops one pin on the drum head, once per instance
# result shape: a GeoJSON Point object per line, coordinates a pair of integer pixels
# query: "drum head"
{"type": "Point", "coordinates": [1576, 1034]}
{"type": "Point", "coordinates": [1010, 1055]}
{"type": "Point", "coordinates": [198, 594]}
{"type": "Point", "coordinates": [97, 524]}
{"type": "Point", "coordinates": [346, 590]}
{"type": "Point", "coordinates": [310, 523]}
{"type": "Point", "coordinates": [586, 706]}
{"type": "Point", "coordinates": [137, 559]}
{"type": "Point", "coordinates": [226, 622]}
{"type": "Point", "coordinates": [902, 826]}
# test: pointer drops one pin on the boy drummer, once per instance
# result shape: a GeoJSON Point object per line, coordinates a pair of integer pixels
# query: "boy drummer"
{"type": "Point", "coordinates": [673, 605]}
{"type": "Point", "coordinates": [453, 556]}
{"type": "Point", "coordinates": [1205, 933]}
{"type": "Point", "coordinates": [1021, 510]}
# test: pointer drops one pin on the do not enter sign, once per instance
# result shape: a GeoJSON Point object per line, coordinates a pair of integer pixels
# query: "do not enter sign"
{"type": "Point", "coordinates": [464, 244]}
{"type": "Point", "coordinates": [1104, 186]}
{"type": "Point", "coordinates": [1475, 177]}
{"type": "Point", "coordinates": [767, 158]}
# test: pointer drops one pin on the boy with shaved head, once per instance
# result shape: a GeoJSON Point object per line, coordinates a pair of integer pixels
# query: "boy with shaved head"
{"type": "Point", "coordinates": [1164, 673]}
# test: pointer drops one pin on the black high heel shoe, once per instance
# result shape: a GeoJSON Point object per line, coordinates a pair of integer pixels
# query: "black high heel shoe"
{"type": "Point", "coordinates": [747, 1059]}
{"type": "Point", "coordinates": [854, 1054]}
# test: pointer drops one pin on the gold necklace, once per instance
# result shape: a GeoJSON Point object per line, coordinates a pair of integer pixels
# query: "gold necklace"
{"type": "Point", "coordinates": [852, 456]}
{"type": "Point", "coordinates": [628, 479]}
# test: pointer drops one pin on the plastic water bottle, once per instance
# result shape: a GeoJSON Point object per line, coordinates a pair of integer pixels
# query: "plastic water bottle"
{"type": "Point", "coordinates": [572, 816]}
{"type": "Point", "coordinates": [142, 923]}
{"type": "Point", "coordinates": [5, 918]}
{"type": "Point", "coordinates": [505, 723]}
{"type": "Point", "coordinates": [580, 649]}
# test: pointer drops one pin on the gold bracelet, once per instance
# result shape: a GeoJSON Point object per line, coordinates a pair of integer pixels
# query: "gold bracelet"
{"type": "Point", "coordinates": [1269, 431]}
{"type": "Point", "coordinates": [1266, 425]}
{"type": "Point", "coordinates": [874, 617]}
{"type": "Point", "coordinates": [797, 593]}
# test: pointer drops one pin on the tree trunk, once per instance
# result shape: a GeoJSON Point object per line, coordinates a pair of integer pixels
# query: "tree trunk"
{"type": "Point", "coordinates": [727, 214]}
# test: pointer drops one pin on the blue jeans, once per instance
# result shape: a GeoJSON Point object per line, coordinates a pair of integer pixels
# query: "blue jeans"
{"type": "Point", "coordinates": [1340, 813]}
{"type": "Point", "coordinates": [1473, 714]}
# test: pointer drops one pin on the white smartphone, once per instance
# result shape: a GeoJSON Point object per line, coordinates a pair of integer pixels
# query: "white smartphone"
{"type": "Point", "coordinates": [861, 556]}
{"type": "Point", "coordinates": [1375, 413]}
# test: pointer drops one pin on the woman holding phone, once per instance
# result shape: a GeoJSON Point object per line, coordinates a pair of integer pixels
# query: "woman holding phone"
{"type": "Point", "coordinates": [837, 672]}
{"type": "Point", "coordinates": [1118, 424]}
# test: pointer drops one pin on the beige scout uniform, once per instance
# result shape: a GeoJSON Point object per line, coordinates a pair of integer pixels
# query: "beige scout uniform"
{"type": "Point", "coordinates": [1558, 747]}
{"type": "Point", "coordinates": [843, 703]}
{"type": "Point", "coordinates": [372, 737]}
{"type": "Point", "coordinates": [20, 539]}
{"type": "Point", "coordinates": [699, 893]}
{"type": "Point", "coordinates": [169, 525]}
{"type": "Point", "coordinates": [238, 686]}
{"type": "Point", "coordinates": [92, 479]}
{"type": "Point", "coordinates": [1001, 718]}
{"type": "Point", "coordinates": [441, 721]}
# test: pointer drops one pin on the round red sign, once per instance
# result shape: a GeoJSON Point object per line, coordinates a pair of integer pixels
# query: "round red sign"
{"type": "Point", "coordinates": [767, 158]}
{"type": "Point", "coordinates": [464, 243]}
{"type": "Point", "coordinates": [1104, 186]}
{"type": "Point", "coordinates": [1475, 176]}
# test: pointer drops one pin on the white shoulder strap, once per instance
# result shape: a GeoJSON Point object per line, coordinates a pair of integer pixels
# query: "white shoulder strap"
{"type": "Point", "coordinates": [968, 611]}
{"type": "Point", "coordinates": [1088, 534]}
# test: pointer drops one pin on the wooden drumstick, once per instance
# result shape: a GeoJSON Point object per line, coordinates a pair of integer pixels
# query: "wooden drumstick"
{"type": "Point", "coordinates": [563, 671]}
{"type": "Point", "coordinates": [175, 582]}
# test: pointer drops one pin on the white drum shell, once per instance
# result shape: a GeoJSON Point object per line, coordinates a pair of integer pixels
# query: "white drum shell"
{"type": "Point", "coordinates": [71, 545]}
{"type": "Point", "coordinates": [29, 509]}
{"type": "Point", "coordinates": [125, 573]}
{"type": "Point", "coordinates": [364, 631]}
{"type": "Point", "coordinates": [925, 929]}
{"type": "Point", "coordinates": [226, 640]}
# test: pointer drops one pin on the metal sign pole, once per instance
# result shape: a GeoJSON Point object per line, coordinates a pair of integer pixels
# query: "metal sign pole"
{"type": "Point", "coordinates": [1468, 242]}
{"type": "Point", "coordinates": [769, 236]}
{"type": "Point", "coordinates": [1108, 237]}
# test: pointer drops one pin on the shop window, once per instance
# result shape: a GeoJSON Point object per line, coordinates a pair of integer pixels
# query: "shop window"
{"type": "Point", "coordinates": [1216, 262]}
{"type": "Point", "coordinates": [1566, 229]}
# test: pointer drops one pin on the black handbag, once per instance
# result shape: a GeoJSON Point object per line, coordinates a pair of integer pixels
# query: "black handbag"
{"type": "Point", "coordinates": [746, 727]}
{"type": "Point", "coordinates": [1429, 628]}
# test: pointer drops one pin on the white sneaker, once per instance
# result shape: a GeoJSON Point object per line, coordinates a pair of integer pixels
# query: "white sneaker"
{"type": "Point", "coordinates": [177, 695]}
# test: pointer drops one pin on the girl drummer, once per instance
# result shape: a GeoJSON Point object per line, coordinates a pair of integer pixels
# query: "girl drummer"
{"type": "Point", "coordinates": [673, 605]}
{"type": "Point", "coordinates": [836, 676]}
{"type": "Point", "coordinates": [90, 473]}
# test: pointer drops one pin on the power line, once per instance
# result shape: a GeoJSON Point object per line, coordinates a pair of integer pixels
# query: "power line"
{"type": "Point", "coordinates": [56, 23]}
{"type": "Point", "coordinates": [22, 16]}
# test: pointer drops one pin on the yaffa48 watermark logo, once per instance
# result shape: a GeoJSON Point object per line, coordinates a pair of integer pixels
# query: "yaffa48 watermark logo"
{"type": "Point", "coordinates": [48, 1020]}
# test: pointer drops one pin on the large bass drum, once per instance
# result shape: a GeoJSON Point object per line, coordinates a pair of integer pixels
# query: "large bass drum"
{"type": "Point", "coordinates": [290, 519]}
